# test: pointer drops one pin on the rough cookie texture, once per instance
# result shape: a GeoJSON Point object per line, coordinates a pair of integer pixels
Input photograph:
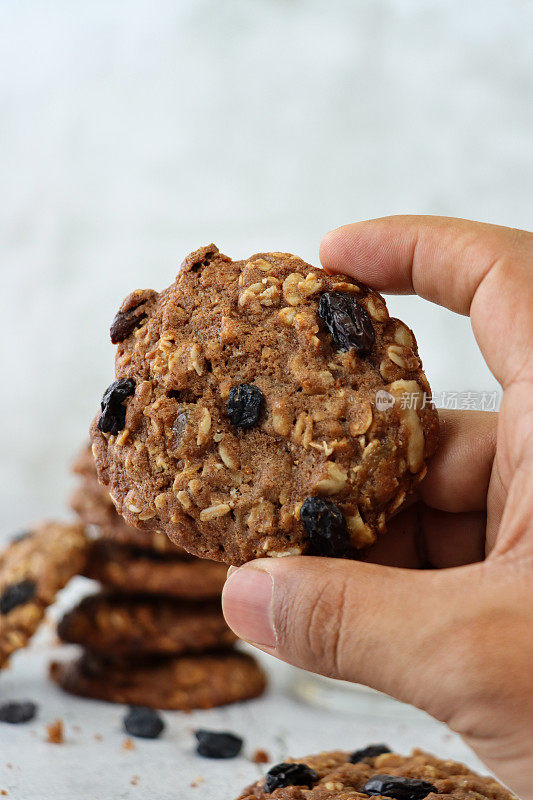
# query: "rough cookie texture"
{"type": "Point", "coordinates": [128, 625]}
{"type": "Point", "coordinates": [337, 779]}
{"type": "Point", "coordinates": [255, 388]}
{"type": "Point", "coordinates": [132, 570]}
{"type": "Point", "coordinates": [32, 571]}
{"type": "Point", "coordinates": [93, 505]}
{"type": "Point", "coordinates": [184, 682]}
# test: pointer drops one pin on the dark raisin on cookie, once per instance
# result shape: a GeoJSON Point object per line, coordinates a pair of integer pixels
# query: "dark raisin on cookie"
{"type": "Point", "coordinates": [244, 405]}
{"type": "Point", "coordinates": [347, 321]}
{"type": "Point", "coordinates": [326, 527]}
{"type": "Point", "coordinates": [397, 787]}
{"type": "Point", "coordinates": [125, 323]}
{"type": "Point", "coordinates": [16, 712]}
{"type": "Point", "coordinates": [143, 722]}
{"type": "Point", "coordinates": [113, 416]}
{"type": "Point", "coordinates": [371, 751]}
{"type": "Point", "coordinates": [16, 595]}
{"type": "Point", "coordinates": [217, 744]}
{"type": "Point", "coordinates": [289, 775]}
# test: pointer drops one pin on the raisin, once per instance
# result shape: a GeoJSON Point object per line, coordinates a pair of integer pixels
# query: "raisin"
{"type": "Point", "coordinates": [16, 595]}
{"type": "Point", "coordinates": [16, 712]}
{"type": "Point", "coordinates": [289, 775]}
{"type": "Point", "coordinates": [214, 744]}
{"type": "Point", "coordinates": [20, 537]}
{"type": "Point", "coordinates": [347, 321]}
{"type": "Point", "coordinates": [244, 405]}
{"type": "Point", "coordinates": [125, 323]}
{"type": "Point", "coordinates": [371, 751]}
{"type": "Point", "coordinates": [113, 416]}
{"type": "Point", "coordinates": [143, 722]}
{"type": "Point", "coordinates": [397, 787]}
{"type": "Point", "coordinates": [326, 527]}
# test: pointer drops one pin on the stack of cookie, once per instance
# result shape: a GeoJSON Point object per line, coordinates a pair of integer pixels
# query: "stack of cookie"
{"type": "Point", "coordinates": [155, 634]}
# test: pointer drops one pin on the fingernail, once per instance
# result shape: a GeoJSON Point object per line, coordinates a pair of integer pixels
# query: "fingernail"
{"type": "Point", "coordinates": [247, 604]}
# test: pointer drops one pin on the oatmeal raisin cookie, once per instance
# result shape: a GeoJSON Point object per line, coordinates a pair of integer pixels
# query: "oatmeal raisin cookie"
{"type": "Point", "coordinates": [356, 776]}
{"type": "Point", "coordinates": [262, 408]}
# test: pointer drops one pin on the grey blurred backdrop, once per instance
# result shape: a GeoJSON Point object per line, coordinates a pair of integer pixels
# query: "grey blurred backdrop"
{"type": "Point", "coordinates": [132, 133]}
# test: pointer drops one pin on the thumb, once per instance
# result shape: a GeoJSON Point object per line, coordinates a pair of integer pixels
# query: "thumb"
{"type": "Point", "coordinates": [380, 626]}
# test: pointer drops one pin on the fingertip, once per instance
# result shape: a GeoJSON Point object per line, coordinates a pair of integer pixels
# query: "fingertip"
{"type": "Point", "coordinates": [247, 605]}
{"type": "Point", "coordinates": [332, 250]}
{"type": "Point", "coordinates": [365, 251]}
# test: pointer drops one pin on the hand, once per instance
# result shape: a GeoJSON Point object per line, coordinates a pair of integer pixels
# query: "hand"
{"type": "Point", "coordinates": [455, 641]}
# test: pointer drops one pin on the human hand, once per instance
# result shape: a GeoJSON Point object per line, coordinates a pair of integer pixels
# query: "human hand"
{"type": "Point", "coordinates": [456, 641]}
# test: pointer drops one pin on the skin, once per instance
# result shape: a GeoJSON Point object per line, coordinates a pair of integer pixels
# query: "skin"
{"type": "Point", "coordinates": [455, 640]}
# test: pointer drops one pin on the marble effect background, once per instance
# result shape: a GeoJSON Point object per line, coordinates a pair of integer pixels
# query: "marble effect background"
{"type": "Point", "coordinates": [132, 133]}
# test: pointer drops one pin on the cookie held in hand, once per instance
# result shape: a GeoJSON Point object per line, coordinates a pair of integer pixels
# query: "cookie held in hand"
{"type": "Point", "coordinates": [263, 408]}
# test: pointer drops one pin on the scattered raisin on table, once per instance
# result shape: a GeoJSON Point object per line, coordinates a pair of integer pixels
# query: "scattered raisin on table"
{"type": "Point", "coordinates": [16, 712]}
{"type": "Point", "coordinates": [143, 722]}
{"type": "Point", "coordinates": [244, 405]}
{"type": "Point", "coordinates": [326, 527]}
{"type": "Point", "coordinates": [113, 416]}
{"type": "Point", "coordinates": [16, 595]}
{"type": "Point", "coordinates": [397, 787]}
{"type": "Point", "coordinates": [289, 775]}
{"type": "Point", "coordinates": [347, 321]}
{"type": "Point", "coordinates": [217, 744]}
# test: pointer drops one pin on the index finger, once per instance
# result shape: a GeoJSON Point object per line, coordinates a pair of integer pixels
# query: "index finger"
{"type": "Point", "coordinates": [468, 267]}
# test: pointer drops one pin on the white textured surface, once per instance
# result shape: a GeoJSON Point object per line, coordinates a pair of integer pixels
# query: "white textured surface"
{"type": "Point", "coordinates": [133, 132]}
{"type": "Point", "coordinates": [89, 769]}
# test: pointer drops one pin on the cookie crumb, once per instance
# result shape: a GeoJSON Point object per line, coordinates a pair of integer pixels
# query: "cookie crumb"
{"type": "Point", "coordinates": [135, 780]}
{"type": "Point", "coordinates": [55, 732]}
{"type": "Point", "coordinates": [98, 737]}
{"type": "Point", "coordinates": [127, 744]}
{"type": "Point", "coordinates": [197, 781]}
{"type": "Point", "coordinates": [3, 792]}
{"type": "Point", "coordinates": [260, 757]}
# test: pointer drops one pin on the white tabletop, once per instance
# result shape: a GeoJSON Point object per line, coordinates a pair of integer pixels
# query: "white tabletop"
{"type": "Point", "coordinates": [92, 763]}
